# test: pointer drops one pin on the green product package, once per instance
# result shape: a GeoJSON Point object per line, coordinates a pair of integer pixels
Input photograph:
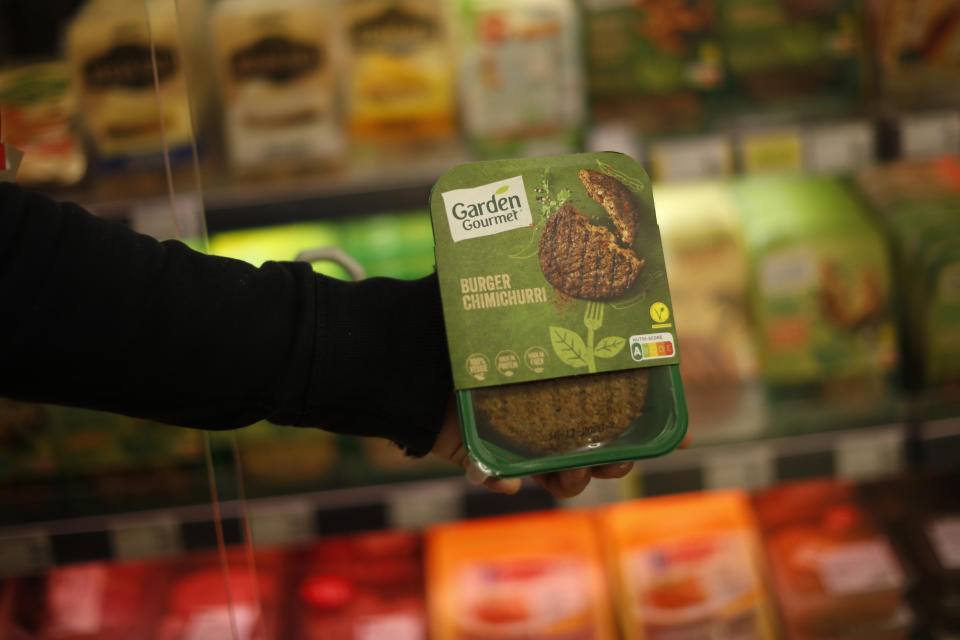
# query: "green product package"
{"type": "Point", "coordinates": [821, 296]}
{"type": "Point", "coordinates": [801, 55]}
{"type": "Point", "coordinates": [558, 313]}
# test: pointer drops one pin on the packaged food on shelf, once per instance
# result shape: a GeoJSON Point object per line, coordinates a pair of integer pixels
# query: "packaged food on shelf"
{"type": "Point", "coordinates": [654, 64]}
{"type": "Point", "coordinates": [129, 69]}
{"type": "Point", "coordinates": [559, 323]}
{"type": "Point", "coordinates": [797, 56]}
{"type": "Point", "coordinates": [362, 586]}
{"type": "Point", "coordinates": [709, 286]}
{"type": "Point", "coordinates": [688, 566]}
{"type": "Point", "coordinates": [201, 603]}
{"type": "Point", "coordinates": [276, 65]}
{"type": "Point", "coordinates": [916, 205]}
{"type": "Point", "coordinates": [27, 445]}
{"type": "Point", "coordinates": [821, 302]}
{"type": "Point", "coordinates": [274, 455]}
{"type": "Point", "coordinates": [521, 77]}
{"type": "Point", "coordinates": [916, 50]}
{"type": "Point", "coordinates": [531, 576]}
{"type": "Point", "coordinates": [399, 73]}
{"type": "Point", "coordinates": [922, 515]}
{"type": "Point", "coordinates": [38, 110]}
{"type": "Point", "coordinates": [279, 242]}
{"type": "Point", "coordinates": [84, 601]}
{"type": "Point", "coordinates": [97, 443]}
{"type": "Point", "coordinates": [396, 245]}
{"type": "Point", "coordinates": [835, 573]}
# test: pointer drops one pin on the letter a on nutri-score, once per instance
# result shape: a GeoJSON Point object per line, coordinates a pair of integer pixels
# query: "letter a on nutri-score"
{"type": "Point", "coordinates": [488, 209]}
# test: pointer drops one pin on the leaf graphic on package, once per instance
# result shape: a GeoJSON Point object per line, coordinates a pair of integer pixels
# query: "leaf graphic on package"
{"type": "Point", "coordinates": [609, 347]}
{"type": "Point", "coordinates": [502, 189]}
{"type": "Point", "coordinates": [568, 346]}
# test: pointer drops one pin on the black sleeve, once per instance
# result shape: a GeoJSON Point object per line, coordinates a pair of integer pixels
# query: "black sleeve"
{"type": "Point", "coordinates": [95, 315]}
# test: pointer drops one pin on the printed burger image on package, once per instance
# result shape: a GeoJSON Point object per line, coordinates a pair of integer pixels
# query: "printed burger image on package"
{"type": "Point", "coordinates": [559, 323]}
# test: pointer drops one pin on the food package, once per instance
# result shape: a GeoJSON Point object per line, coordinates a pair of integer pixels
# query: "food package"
{"type": "Point", "coordinates": [199, 603]}
{"type": "Point", "coordinates": [916, 48]}
{"type": "Point", "coordinates": [85, 601]}
{"type": "Point", "coordinates": [109, 48]}
{"type": "Point", "coordinates": [916, 204]}
{"type": "Point", "coordinates": [820, 281]}
{"type": "Point", "coordinates": [399, 70]}
{"type": "Point", "coordinates": [281, 455]}
{"type": "Point", "coordinates": [276, 67]}
{"type": "Point", "coordinates": [654, 64]}
{"type": "Point", "coordinates": [530, 576]}
{"type": "Point", "coordinates": [26, 440]}
{"type": "Point", "coordinates": [38, 108]}
{"type": "Point", "coordinates": [280, 242]}
{"type": "Point", "coordinates": [709, 285]}
{"type": "Point", "coordinates": [557, 312]}
{"type": "Point", "coordinates": [362, 586]}
{"type": "Point", "coordinates": [688, 566]}
{"type": "Point", "coordinates": [521, 77]}
{"type": "Point", "coordinates": [395, 245]}
{"type": "Point", "coordinates": [922, 515]}
{"type": "Point", "coordinates": [97, 442]}
{"type": "Point", "coordinates": [793, 55]}
{"type": "Point", "coordinates": [835, 573]}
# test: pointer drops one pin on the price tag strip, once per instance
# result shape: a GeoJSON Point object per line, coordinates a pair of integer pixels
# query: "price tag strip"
{"type": "Point", "coordinates": [745, 467]}
{"type": "Point", "coordinates": [929, 134]}
{"type": "Point", "coordinates": [771, 151]}
{"type": "Point", "coordinates": [839, 147]}
{"type": "Point", "coordinates": [869, 455]}
{"type": "Point", "coordinates": [692, 158]}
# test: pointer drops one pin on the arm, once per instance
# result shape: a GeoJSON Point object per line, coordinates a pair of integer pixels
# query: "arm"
{"type": "Point", "coordinates": [95, 315]}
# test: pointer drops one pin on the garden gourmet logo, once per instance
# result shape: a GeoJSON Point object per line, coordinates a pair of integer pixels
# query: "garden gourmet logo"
{"type": "Point", "coordinates": [487, 209]}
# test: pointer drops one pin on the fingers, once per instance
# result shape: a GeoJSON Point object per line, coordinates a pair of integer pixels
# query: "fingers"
{"type": "Point", "coordinates": [687, 441]}
{"type": "Point", "coordinates": [564, 484]}
{"type": "Point", "coordinates": [610, 471]}
{"type": "Point", "coordinates": [508, 486]}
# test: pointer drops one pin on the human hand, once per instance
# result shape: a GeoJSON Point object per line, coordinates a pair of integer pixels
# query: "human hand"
{"type": "Point", "coordinates": [562, 484]}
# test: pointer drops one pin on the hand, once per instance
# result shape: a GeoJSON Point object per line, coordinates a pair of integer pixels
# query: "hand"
{"type": "Point", "coordinates": [562, 484]}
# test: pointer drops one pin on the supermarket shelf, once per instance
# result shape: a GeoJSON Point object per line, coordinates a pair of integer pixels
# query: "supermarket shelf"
{"type": "Point", "coordinates": [397, 182]}
{"type": "Point", "coordinates": [860, 454]}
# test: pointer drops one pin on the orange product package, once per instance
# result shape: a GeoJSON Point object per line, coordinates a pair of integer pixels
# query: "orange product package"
{"type": "Point", "coordinates": [518, 577]}
{"type": "Point", "coordinates": [688, 566]}
{"type": "Point", "coordinates": [836, 573]}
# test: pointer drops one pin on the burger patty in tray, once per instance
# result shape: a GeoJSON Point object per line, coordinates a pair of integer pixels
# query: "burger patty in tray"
{"type": "Point", "coordinates": [583, 260]}
{"type": "Point", "coordinates": [564, 414]}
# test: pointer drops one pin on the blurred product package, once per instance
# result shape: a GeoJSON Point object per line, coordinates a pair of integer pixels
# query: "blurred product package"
{"type": "Point", "coordinates": [688, 567]}
{"type": "Point", "coordinates": [820, 282]}
{"type": "Point", "coordinates": [86, 601]}
{"type": "Point", "coordinates": [835, 573]}
{"type": "Point", "coordinates": [521, 76]}
{"type": "Point", "coordinates": [797, 56]}
{"type": "Point", "coordinates": [709, 285]}
{"type": "Point", "coordinates": [274, 455]}
{"type": "Point", "coordinates": [654, 64]}
{"type": "Point", "coordinates": [399, 70]}
{"type": "Point", "coordinates": [27, 448]}
{"type": "Point", "coordinates": [917, 204]}
{"type": "Point", "coordinates": [916, 49]}
{"type": "Point", "coordinates": [276, 65]}
{"type": "Point", "coordinates": [368, 585]}
{"type": "Point", "coordinates": [280, 242]}
{"type": "Point", "coordinates": [200, 604]}
{"type": "Point", "coordinates": [129, 68]}
{"type": "Point", "coordinates": [922, 515]}
{"type": "Point", "coordinates": [532, 576]}
{"type": "Point", "coordinates": [38, 111]}
{"type": "Point", "coordinates": [97, 443]}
